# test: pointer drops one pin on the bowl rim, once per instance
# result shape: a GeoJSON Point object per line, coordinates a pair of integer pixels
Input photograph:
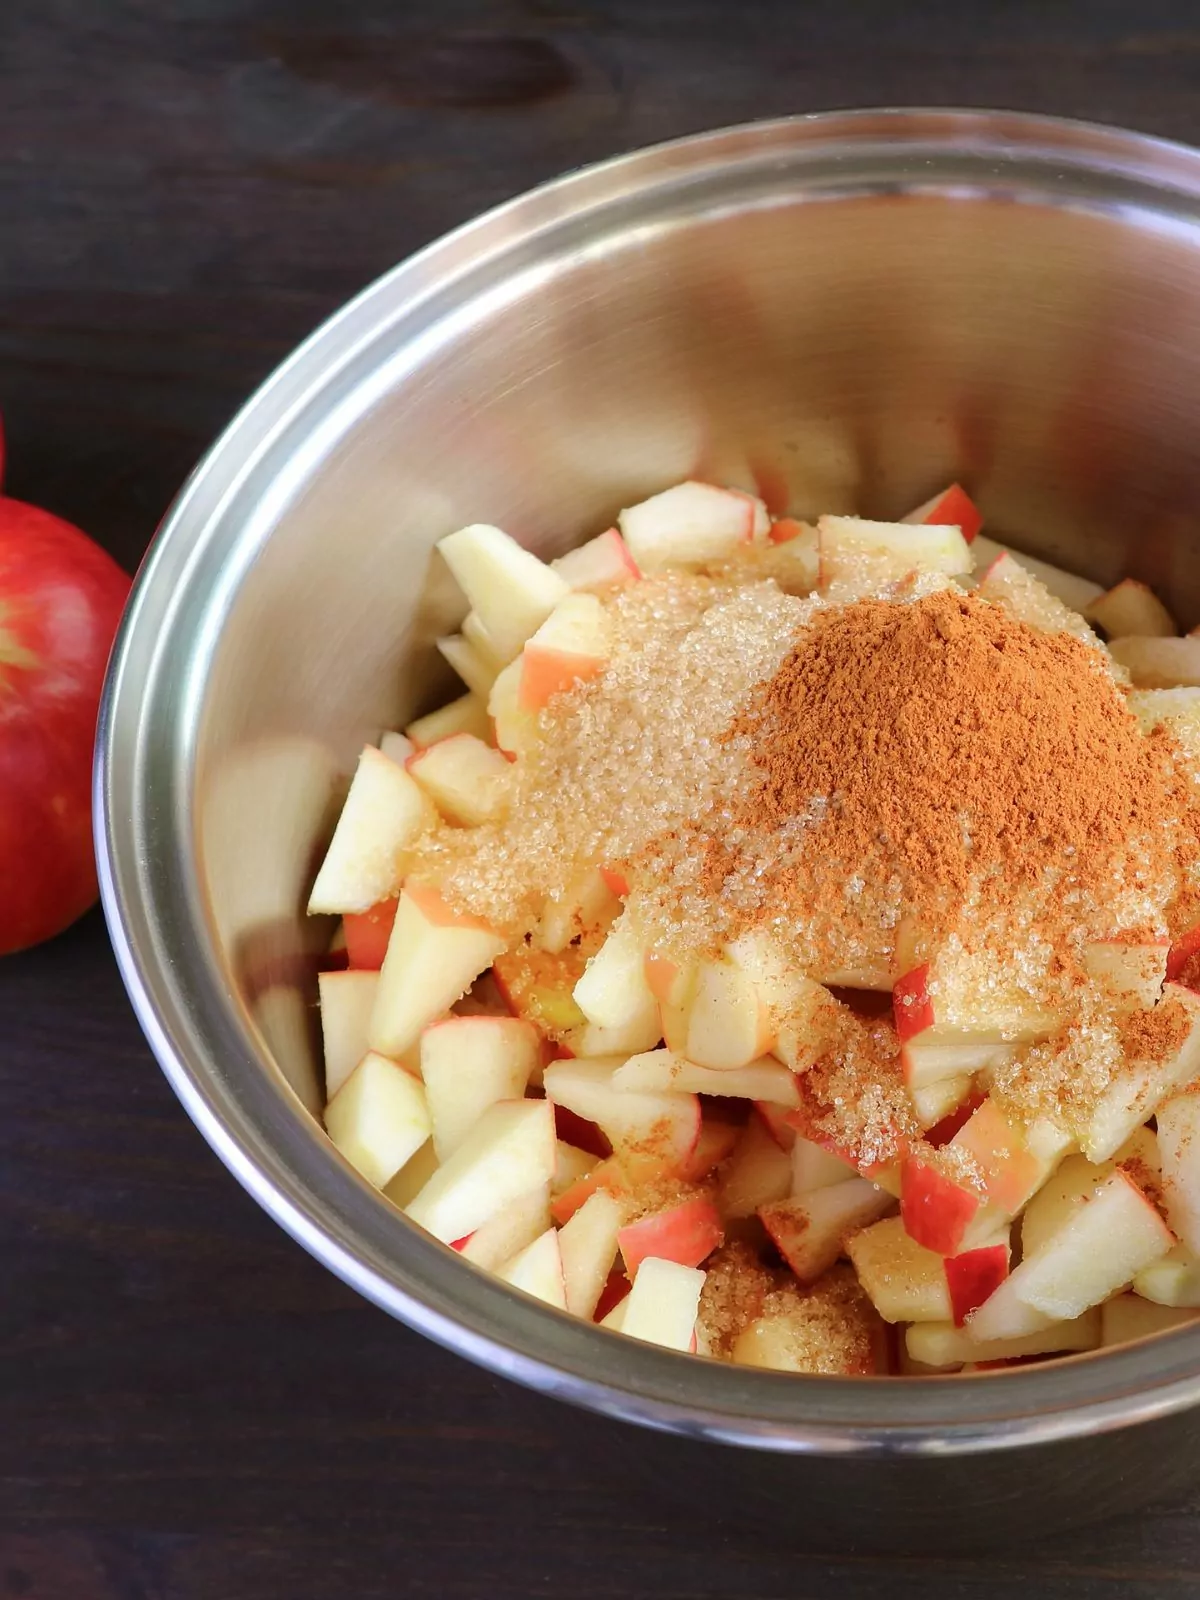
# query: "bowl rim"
{"type": "Point", "coordinates": [233, 1096]}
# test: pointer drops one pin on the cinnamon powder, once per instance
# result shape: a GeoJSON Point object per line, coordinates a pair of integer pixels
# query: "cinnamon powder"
{"type": "Point", "coordinates": [949, 749]}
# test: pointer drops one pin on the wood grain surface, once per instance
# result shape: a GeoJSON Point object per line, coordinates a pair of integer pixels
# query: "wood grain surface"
{"type": "Point", "coordinates": [190, 1408]}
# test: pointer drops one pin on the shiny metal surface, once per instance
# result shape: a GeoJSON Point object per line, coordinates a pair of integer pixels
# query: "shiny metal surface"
{"type": "Point", "coordinates": [849, 309]}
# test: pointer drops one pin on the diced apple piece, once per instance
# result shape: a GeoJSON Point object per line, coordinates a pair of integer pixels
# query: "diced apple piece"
{"type": "Point", "coordinates": [728, 1023]}
{"type": "Point", "coordinates": [1098, 1249]}
{"type": "Point", "coordinates": [655, 1070]}
{"type": "Point", "coordinates": [1179, 711]}
{"type": "Point", "coordinates": [1132, 974]}
{"type": "Point", "coordinates": [413, 1176]}
{"type": "Point", "coordinates": [938, 1101]}
{"type": "Point", "coordinates": [631, 1038]}
{"type": "Point", "coordinates": [662, 1305]}
{"type": "Point", "coordinates": [936, 1210]}
{"type": "Point", "coordinates": [934, 1057]}
{"type": "Point", "coordinates": [1008, 582]}
{"type": "Point", "coordinates": [1178, 1122]}
{"type": "Point", "coordinates": [365, 935]}
{"type": "Point", "coordinates": [468, 781]}
{"type": "Point", "coordinates": [614, 1320]}
{"type": "Point", "coordinates": [1076, 593]}
{"type": "Point", "coordinates": [811, 1233]}
{"type": "Point", "coordinates": [347, 999]}
{"type": "Point", "coordinates": [759, 1171]}
{"type": "Point", "coordinates": [830, 1328]}
{"type": "Point", "coordinates": [601, 564]}
{"type": "Point", "coordinates": [1127, 1316]}
{"type": "Point", "coordinates": [384, 815]}
{"type": "Point", "coordinates": [1132, 608]}
{"type": "Point", "coordinates": [906, 1282]}
{"type": "Point", "coordinates": [1172, 1281]}
{"type": "Point", "coordinates": [434, 956]}
{"type": "Point", "coordinates": [538, 1270]}
{"type": "Point", "coordinates": [1159, 663]}
{"type": "Point", "coordinates": [1013, 1162]}
{"type": "Point", "coordinates": [952, 507]}
{"type": "Point", "coordinates": [1185, 947]}
{"type": "Point", "coordinates": [467, 1064]}
{"type": "Point", "coordinates": [974, 1276]}
{"type": "Point", "coordinates": [508, 1151]}
{"type": "Point", "coordinates": [508, 588]}
{"type": "Point", "coordinates": [717, 1141]}
{"type": "Point", "coordinates": [482, 643]}
{"type": "Point", "coordinates": [782, 1124]}
{"type": "Point", "coordinates": [613, 992]}
{"type": "Point", "coordinates": [507, 1233]}
{"type": "Point", "coordinates": [475, 670]}
{"type": "Point", "coordinates": [467, 714]}
{"type": "Point", "coordinates": [912, 1008]}
{"type": "Point", "coordinates": [662, 1127]}
{"type": "Point", "coordinates": [588, 1242]}
{"type": "Point", "coordinates": [581, 907]}
{"type": "Point", "coordinates": [905, 546]}
{"type": "Point", "coordinates": [1057, 1199]}
{"type": "Point", "coordinates": [516, 727]}
{"type": "Point", "coordinates": [691, 524]}
{"type": "Point", "coordinates": [941, 1344]}
{"type": "Point", "coordinates": [378, 1118]}
{"type": "Point", "coordinates": [571, 1164]}
{"type": "Point", "coordinates": [814, 1167]}
{"type": "Point", "coordinates": [687, 1233]}
{"type": "Point", "coordinates": [809, 1028]}
{"type": "Point", "coordinates": [571, 646]}
{"type": "Point", "coordinates": [396, 747]}
{"type": "Point", "coordinates": [1141, 1086]}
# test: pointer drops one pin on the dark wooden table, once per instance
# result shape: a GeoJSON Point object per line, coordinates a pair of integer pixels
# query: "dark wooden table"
{"type": "Point", "coordinates": [190, 1408]}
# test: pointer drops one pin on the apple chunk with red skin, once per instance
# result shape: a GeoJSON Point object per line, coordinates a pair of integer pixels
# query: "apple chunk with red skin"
{"type": "Point", "coordinates": [601, 564]}
{"type": "Point", "coordinates": [367, 934]}
{"type": "Point", "coordinates": [571, 646]}
{"type": "Point", "coordinates": [936, 1210]}
{"type": "Point", "coordinates": [952, 507]}
{"type": "Point", "coordinates": [687, 1233]}
{"type": "Point", "coordinates": [973, 1277]}
{"type": "Point", "coordinates": [434, 956]}
{"type": "Point", "coordinates": [690, 524]}
{"type": "Point", "coordinates": [61, 598]}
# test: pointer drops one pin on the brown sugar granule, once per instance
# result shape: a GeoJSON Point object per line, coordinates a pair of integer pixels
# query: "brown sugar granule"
{"type": "Point", "coordinates": [736, 1283]}
{"type": "Point", "coordinates": [829, 1327]}
{"type": "Point", "coordinates": [947, 748]}
{"type": "Point", "coordinates": [1156, 1034]}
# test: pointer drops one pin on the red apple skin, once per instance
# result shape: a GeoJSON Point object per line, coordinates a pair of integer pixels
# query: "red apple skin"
{"type": "Point", "coordinates": [1182, 952]}
{"type": "Point", "coordinates": [974, 1277]}
{"type": "Point", "coordinates": [61, 598]}
{"type": "Point", "coordinates": [367, 935]}
{"type": "Point", "coordinates": [911, 1005]}
{"type": "Point", "coordinates": [934, 1210]}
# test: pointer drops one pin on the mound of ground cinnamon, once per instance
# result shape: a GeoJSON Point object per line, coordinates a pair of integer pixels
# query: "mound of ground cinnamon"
{"type": "Point", "coordinates": [948, 750]}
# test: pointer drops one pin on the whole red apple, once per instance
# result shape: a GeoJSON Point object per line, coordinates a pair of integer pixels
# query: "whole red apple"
{"type": "Point", "coordinates": [61, 597]}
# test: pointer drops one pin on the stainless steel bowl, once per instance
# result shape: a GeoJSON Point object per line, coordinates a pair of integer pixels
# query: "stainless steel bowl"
{"type": "Point", "coordinates": [851, 309]}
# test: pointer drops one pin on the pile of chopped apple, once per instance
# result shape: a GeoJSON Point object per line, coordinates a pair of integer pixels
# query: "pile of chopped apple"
{"type": "Point", "coordinates": [591, 1123]}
